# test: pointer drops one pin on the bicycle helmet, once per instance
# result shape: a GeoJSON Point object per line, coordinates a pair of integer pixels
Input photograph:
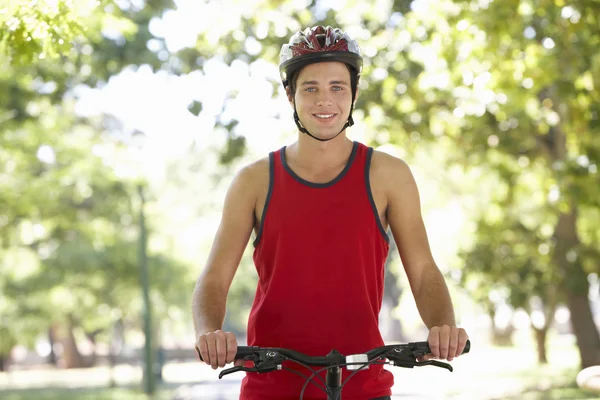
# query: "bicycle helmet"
{"type": "Point", "coordinates": [320, 44]}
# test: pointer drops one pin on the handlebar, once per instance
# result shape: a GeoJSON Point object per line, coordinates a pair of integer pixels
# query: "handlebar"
{"type": "Point", "coordinates": [268, 359]}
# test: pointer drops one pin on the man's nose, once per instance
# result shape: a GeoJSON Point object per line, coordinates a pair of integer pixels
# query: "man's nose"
{"type": "Point", "coordinates": [324, 98]}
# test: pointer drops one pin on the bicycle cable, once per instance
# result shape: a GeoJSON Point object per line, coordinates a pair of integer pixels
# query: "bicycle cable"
{"type": "Point", "coordinates": [316, 373]}
{"type": "Point", "coordinates": [372, 362]}
{"type": "Point", "coordinates": [309, 379]}
{"type": "Point", "coordinates": [324, 390]}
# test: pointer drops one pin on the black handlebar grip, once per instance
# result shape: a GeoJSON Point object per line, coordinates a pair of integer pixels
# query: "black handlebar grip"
{"type": "Point", "coordinates": [467, 347]}
{"type": "Point", "coordinates": [242, 351]}
{"type": "Point", "coordinates": [424, 346]}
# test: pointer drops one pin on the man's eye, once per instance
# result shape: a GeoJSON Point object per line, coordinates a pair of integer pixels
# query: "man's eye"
{"type": "Point", "coordinates": [337, 88]}
{"type": "Point", "coordinates": [311, 89]}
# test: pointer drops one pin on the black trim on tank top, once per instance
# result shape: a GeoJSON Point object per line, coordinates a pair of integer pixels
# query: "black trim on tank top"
{"type": "Point", "coordinates": [370, 194]}
{"type": "Point", "coordinates": [268, 199]}
{"type": "Point", "coordinates": [320, 185]}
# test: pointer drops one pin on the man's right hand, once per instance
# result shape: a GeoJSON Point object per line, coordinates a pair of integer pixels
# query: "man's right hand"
{"type": "Point", "coordinates": [217, 348]}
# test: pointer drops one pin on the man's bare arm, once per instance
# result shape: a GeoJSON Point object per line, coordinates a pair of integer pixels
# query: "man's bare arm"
{"type": "Point", "coordinates": [212, 287]}
{"type": "Point", "coordinates": [426, 281]}
{"type": "Point", "coordinates": [404, 215]}
{"type": "Point", "coordinates": [433, 298]}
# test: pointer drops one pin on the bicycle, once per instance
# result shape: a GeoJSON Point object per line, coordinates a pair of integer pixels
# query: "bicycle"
{"type": "Point", "coordinates": [268, 359]}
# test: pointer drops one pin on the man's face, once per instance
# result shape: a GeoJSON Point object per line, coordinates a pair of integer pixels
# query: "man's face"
{"type": "Point", "coordinates": [323, 98]}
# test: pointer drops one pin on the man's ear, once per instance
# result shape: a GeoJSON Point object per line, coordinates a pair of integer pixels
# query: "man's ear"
{"type": "Point", "coordinates": [355, 96]}
{"type": "Point", "coordinates": [288, 92]}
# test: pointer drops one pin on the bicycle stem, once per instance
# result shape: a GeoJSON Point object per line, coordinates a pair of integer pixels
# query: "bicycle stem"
{"type": "Point", "coordinates": [333, 378]}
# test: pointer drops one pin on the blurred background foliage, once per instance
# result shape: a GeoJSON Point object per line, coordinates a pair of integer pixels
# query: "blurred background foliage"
{"type": "Point", "coordinates": [493, 103]}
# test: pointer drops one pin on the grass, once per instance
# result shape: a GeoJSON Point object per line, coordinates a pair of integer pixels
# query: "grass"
{"type": "Point", "coordinates": [560, 384]}
{"type": "Point", "coordinates": [558, 394]}
{"type": "Point", "coordinates": [99, 393]}
{"type": "Point", "coordinates": [568, 391]}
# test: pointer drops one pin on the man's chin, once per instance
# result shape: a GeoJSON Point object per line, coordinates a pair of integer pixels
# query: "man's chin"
{"type": "Point", "coordinates": [325, 133]}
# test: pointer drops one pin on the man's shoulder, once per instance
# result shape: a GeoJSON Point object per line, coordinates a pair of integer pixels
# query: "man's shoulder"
{"type": "Point", "coordinates": [389, 166]}
{"type": "Point", "coordinates": [392, 175]}
{"type": "Point", "coordinates": [254, 173]}
{"type": "Point", "coordinates": [256, 167]}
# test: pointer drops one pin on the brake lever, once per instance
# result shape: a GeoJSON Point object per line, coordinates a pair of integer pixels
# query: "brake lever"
{"type": "Point", "coordinates": [435, 363]}
{"type": "Point", "coordinates": [264, 367]}
{"type": "Point", "coordinates": [235, 369]}
{"type": "Point", "coordinates": [240, 368]}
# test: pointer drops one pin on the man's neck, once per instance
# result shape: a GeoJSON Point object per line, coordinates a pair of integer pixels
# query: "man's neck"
{"type": "Point", "coordinates": [313, 155]}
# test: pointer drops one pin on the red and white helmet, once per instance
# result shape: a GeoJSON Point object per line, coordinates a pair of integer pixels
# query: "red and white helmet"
{"type": "Point", "coordinates": [318, 44]}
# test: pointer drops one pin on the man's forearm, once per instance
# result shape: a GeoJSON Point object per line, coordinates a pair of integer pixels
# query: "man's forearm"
{"type": "Point", "coordinates": [208, 307]}
{"type": "Point", "coordinates": [433, 300]}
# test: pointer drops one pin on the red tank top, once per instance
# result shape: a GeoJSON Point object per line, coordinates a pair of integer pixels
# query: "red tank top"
{"type": "Point", "coordinates": [320, 253]}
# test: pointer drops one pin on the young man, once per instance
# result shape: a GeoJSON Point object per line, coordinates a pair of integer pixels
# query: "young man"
{"type": "Point", "coordinates": [320, 209]}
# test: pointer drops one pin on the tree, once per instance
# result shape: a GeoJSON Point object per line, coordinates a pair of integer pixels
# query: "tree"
{"type": "Point", "coordinates": [61, 31]}
{"type": "Point", "coordinates": [506, 261]}
{"type": "Point", "coordinates": [45, 30]}
{"type": "Point", "coordinates": [499, 92]}
{"type": "Point", "coordinates": [74, 251]}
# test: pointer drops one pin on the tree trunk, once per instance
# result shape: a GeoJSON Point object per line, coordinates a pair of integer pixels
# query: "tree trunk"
{"type": "Point", "coordinates": [71, 355]}
{"type": "Point", "coordinates": [52, 339]}
{"type": "Point", "coordinates": [91, 336]}
{"type": "Point", "coordinates": [540, 338]}
{"type": "Point", "coordinates": [576, 288]}
{"type": "Point", "coordinates": [117, 342]}
{"type": "Point", "coordinates": [112, 363]}
{"type": "Point", "coordinates": [549, 303]}
{"type": "Point", "coordinates": [585, 329]}
{"type": "Point", "coordinates": [500, 336]}
{"type": "Point", "coordinates": [574, 283]}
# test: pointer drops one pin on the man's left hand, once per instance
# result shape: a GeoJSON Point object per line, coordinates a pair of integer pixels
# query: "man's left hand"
{"type": "Point", "coordinates": [446, 342]}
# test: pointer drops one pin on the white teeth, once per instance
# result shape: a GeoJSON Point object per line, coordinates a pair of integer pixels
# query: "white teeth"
{"type": "Point", "coordinates": [324, 115]}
